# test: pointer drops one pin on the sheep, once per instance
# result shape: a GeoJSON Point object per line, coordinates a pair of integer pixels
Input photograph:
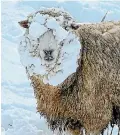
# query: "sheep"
{"type": "Point", "coordinates": [88, 99]}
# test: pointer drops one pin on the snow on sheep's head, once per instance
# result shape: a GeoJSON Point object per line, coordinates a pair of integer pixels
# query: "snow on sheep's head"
{"type": "Point", "coordinates": [48, 47]}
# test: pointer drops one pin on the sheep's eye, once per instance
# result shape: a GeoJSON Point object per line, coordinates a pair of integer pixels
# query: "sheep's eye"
{"type": "Point", "coordinates": [45, 51]}
{"type": "Point", "coordinates": [61, 43]}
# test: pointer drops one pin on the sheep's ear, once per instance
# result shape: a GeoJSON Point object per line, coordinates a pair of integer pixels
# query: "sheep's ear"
{"type": "Point", "coordinates": [75, 26]}
{"type": "Point", "coordinates": [24, 23]}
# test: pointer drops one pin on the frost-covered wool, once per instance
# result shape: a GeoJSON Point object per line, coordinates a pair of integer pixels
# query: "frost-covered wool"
{"type": "Point", "coordinates": [89, 98]}
{"type": "Point", "coordinates": [44, 32]}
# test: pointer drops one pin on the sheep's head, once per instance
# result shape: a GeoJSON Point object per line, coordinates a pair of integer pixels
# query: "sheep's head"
{"type": "Point", "coordinates": [48, 47]}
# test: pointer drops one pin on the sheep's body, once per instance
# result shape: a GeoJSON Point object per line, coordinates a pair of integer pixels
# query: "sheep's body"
{"type": "Point", "coordinates": [100, 73]}
{"type": "Point", "coordinates": [95, 87]}
{"type": "Point", "coordinates": [90, 97]}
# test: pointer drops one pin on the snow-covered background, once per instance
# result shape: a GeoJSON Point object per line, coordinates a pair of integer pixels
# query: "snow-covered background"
{"type": "Point", "coordinates": [18, 103]}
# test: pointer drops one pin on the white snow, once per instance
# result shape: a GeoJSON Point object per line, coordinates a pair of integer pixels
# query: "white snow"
{"type": "Point", "coordinates": [18, 105]}
{"type": "Point", "coordinates": [59, 32]}
{"type": "Point", "coordinates": [2, 131]}
{"type": "Point", "coordinates": [36, 30]}
{"type": "Point", "coordinates": [39, 18]}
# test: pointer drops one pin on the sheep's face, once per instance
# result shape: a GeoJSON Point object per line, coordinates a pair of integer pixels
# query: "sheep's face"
{"type": "Point", "coordinates": [49, 50]}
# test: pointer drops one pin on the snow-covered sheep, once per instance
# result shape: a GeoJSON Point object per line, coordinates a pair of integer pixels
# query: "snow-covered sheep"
{"type": "Point", "coordinates": [76, 84]}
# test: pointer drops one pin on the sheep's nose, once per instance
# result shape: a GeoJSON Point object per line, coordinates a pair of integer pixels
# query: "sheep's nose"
{"type": "Point", "coordinates": [48, 52]}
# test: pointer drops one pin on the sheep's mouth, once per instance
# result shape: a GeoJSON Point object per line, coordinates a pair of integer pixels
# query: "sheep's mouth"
{"type": "Point", "coordinates": [49, 59]}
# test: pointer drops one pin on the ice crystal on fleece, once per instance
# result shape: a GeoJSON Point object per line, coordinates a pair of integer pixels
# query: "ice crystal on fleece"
{"type": "Point", "coordinates": [36, 29]}
{"type": "Point", "coordinates": [48, 32]}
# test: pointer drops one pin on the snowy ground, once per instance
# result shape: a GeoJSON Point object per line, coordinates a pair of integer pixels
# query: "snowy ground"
{"type": "Point", "coordinates": [18, 104]}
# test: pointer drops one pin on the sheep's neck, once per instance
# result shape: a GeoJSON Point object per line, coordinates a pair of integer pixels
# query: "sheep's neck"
{"type": "Point", "coordinates": [42, 89]}
{"type": "Point", "coordinates": [48, 97]}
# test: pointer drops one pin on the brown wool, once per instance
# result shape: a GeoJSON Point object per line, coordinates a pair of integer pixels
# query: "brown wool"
{"type": "Point", "coordinates": [86, 98]}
